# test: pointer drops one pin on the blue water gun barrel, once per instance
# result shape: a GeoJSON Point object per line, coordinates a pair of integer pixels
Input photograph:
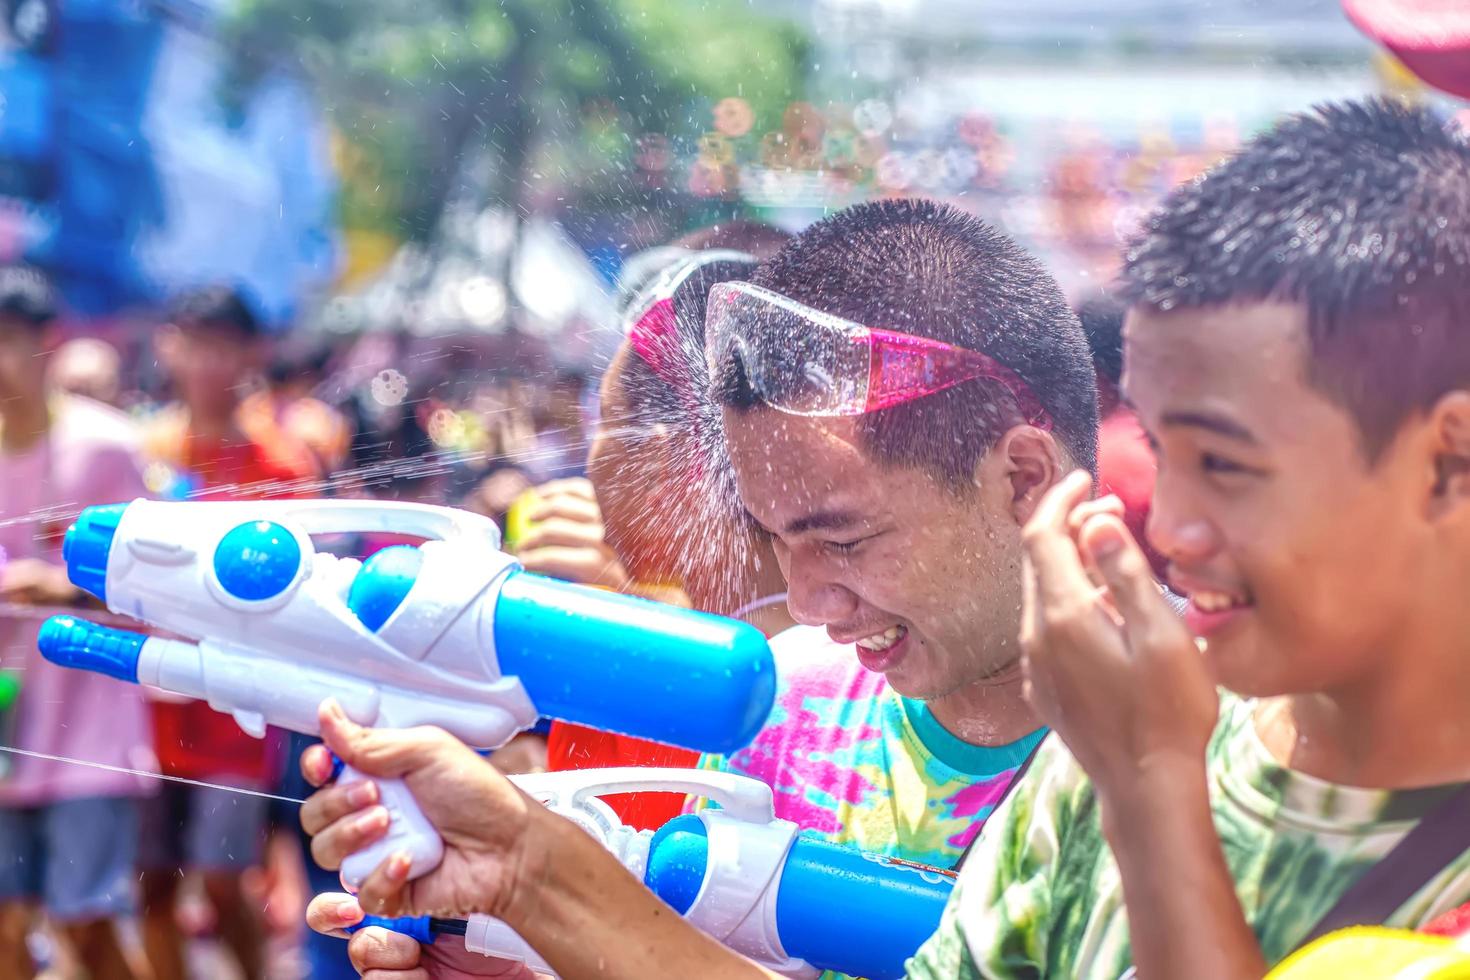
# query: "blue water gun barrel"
{"type": "Point", "coordinates": [836, 908]}
{"type": "Point", "coordinates": [606, 660]}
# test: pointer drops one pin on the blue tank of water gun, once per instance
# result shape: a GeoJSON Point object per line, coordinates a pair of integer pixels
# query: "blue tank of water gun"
{"type": "Point", "coordinates": [451, 633]}
{"type": "Point", "coordinates": [795, 904]}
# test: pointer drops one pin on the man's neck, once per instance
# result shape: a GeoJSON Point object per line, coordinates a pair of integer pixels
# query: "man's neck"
{"type": "Point", "coordinates": [24, 420]}
{"type": "Point", "coordinates": [988, 712]}
{"type": "Point", "coordinates": [1401, 728]}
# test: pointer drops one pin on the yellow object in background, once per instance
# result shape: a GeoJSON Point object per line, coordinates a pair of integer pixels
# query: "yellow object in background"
{"type": "Point", "coordinates": [1375, 953]}
{"type": "Point", "coordinates": [518, 519]}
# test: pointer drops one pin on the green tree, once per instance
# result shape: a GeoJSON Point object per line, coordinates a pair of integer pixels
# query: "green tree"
{"type": "Point", "coordinates": [439, 98]}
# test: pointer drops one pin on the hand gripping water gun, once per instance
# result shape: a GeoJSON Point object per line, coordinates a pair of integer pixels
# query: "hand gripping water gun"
{"type": "Point", "coordinates": [452, 633]}
{"type": "Point", "coordinates": [796, 905]}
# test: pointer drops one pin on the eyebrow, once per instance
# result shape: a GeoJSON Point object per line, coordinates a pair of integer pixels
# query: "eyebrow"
{"type": "Point", "coordinates": [1218, 424]}
{"type": "Point", "coordinates": [822, 520]}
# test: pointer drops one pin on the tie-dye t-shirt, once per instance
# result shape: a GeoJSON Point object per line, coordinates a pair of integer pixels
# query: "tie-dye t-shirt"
{"type": "Point", "coordinates": [1040, 896]}
{"type": "Point", "coordinates": [853, 762]}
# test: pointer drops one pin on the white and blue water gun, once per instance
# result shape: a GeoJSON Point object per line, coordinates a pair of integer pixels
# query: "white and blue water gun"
{"type": "Point", "coordinates": [451, 633]}
{"type": "Point", "coordinates": [796, 905]}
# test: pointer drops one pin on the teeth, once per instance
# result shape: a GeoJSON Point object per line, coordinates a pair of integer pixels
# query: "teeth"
{"type": "Point", "coordinates": [1213, 602]}
{"type": "Point", "coordinates": [882, 641]}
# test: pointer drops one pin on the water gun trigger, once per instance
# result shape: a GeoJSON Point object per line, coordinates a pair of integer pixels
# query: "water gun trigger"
{"type": "Point", "coordinates": [745, 799]}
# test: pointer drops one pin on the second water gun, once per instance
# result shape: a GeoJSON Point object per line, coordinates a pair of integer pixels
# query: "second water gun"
{"type": "Point", "coordinates": [452, 633]}
{"type": "Point", "coordinates": [796, 905]}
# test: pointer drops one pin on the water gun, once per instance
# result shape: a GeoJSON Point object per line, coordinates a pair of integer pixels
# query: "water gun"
{"type": "Point", "coordinates": [451, 633]}
{"type": "Point", "coordinates": [796, 905]}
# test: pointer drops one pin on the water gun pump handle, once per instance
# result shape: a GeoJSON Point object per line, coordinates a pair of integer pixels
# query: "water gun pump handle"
{"type": "Point", "coordinates": [409, 831]}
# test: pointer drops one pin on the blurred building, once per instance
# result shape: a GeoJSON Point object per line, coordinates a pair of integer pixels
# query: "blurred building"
{"type": "Point", "coordinates": [131, 167]}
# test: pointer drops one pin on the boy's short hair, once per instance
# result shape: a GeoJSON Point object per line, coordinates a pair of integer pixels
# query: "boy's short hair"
{"type": "Point", "coordinates": [216, 306]}
{"type": "Point", "coordinates": [1357, 211]}
{"type": "Point", "coordinates": [651, 398]}
{"type": "Point", "coordinates": [26, 294]}
{"type": "Point", "coordinates": [1101, 316]}
{"type": "Point", "coordinates": [929, 269]}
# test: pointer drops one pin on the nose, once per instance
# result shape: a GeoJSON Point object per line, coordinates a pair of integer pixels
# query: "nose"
{"type": "Point", "coordinates": [1177, 528]}
{"type": "Point", "coordinates": [812, 596]}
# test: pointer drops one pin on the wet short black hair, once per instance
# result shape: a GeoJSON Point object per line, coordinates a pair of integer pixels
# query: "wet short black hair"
{"type": "Point", "coordinates": [1360, 213]}
{"type": "Point", "coordinates": [651, 398]}
{"type": "Point", "coordinates": [216, 306]}
{"type": "Point", "coordinates": [929, 269]}
{"type": "Point", "coordinates": [26, 294]}
{"type": "Point", "coordinates": [1102, 316]}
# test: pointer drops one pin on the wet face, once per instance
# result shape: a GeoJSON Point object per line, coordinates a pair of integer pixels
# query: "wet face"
{"type": "Point", "coordinates": [923, 578]}
{"type": "Point", "coordinates": [209, 363]}
{"type": "Point", "coordinates": [1303, 563]}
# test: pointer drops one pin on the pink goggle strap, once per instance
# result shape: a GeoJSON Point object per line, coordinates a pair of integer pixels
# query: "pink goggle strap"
{"type": "Point", "coordinates": [655, 338]}
{"type": "Point", "coordinates": [902, 367]}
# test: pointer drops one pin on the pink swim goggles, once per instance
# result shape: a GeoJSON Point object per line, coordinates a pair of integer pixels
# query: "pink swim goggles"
{"type": "Point", "coordinates": [806, 362]}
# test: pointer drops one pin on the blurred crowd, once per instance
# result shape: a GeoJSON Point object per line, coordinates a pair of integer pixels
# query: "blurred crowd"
{"type": "Point", "coordinates": [211, 407]}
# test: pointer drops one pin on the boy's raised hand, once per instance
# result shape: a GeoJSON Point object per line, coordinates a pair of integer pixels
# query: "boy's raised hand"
{"type": "Point", "coordinates": [567, 539]}
{"type": "Point", "coordinates": [486, 822]}
{"type": "Point", "coordinates": [1112, 669]}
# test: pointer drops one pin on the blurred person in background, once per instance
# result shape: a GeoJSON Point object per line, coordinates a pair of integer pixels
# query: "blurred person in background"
{"type": "Point", "coordinates": [213, 350]}
{"type": "Point", "coordinates": [642, 523]}
{"type": "Point", "coordinates": [561, 434]}
{"type": "Point", "coordinates": [90, 367]}
{"type": "Point", "coordinates": [289, 402]}
{"type": "Point", "coordinates": [68, 833]}
{"type": "Point", "coordinates": [1125, 463]}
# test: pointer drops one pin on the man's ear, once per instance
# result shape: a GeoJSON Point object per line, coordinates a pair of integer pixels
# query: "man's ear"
{"type": "Point", "coordinates": [1449, 422]}
{"type": "Point", "coordinates": [1023, 465]}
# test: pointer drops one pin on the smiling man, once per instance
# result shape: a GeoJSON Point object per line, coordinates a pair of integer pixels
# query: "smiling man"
{"type": "Point", "coordinates": [1299, 349]}
{"type": "Point", "coordinates": [900, 386]}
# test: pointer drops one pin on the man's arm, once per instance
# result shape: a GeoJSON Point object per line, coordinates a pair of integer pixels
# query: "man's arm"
{"type": "Point", "coordinates": [504, 855]}
{"type": "Point", "coordinates": [1184, 918]}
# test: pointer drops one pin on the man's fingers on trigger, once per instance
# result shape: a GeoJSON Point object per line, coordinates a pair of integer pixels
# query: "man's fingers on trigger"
{"type": "Point", "coordinates": [332, 912]}
{"type": "Point", "coordinates": [375, 948]}
{"type": "Point", "coordinates": [382, 892]}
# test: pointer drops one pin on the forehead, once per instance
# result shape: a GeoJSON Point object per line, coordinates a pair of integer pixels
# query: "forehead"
{"type": "Point", "coordinates": [1241, 359]}
{"type": "Point", "coordinates": [788, 465]}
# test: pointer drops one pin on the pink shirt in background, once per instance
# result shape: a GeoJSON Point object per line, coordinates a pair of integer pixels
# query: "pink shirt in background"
{"type": "Point", "coordinates": [88, 457]}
